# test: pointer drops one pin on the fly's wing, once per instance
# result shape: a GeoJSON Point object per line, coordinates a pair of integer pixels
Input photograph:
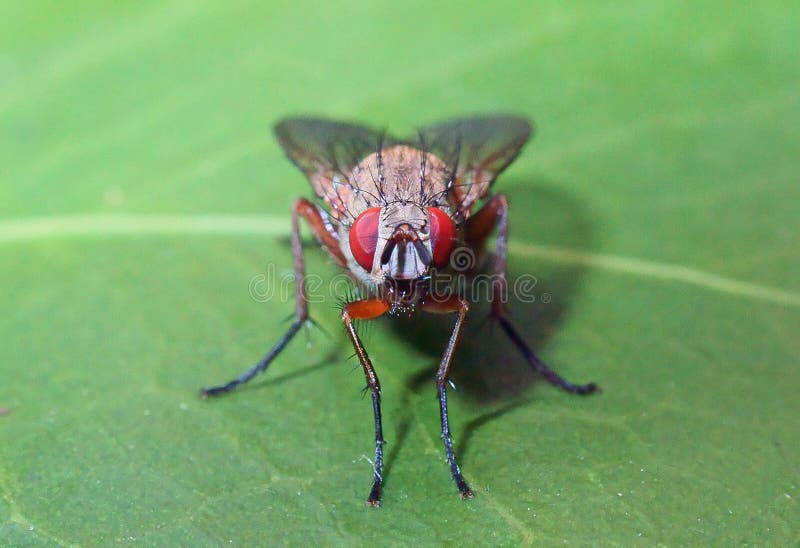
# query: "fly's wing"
{"type": "Point", "coordinates": [327, 152]}
{"type": "Point", "coordinates": [477, 150]}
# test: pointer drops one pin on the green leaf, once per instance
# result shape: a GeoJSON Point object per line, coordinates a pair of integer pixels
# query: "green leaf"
{"type": "Point", "coordinates": [142, 195]}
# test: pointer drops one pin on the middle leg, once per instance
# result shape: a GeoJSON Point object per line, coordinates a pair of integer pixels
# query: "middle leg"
{"type": "Point", "coordinates": [303, 209]}
{"type": "Point", "coordinates": [494, 215]}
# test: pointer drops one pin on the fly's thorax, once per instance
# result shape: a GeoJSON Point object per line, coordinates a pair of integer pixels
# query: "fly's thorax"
{"type": "Point", "coordinates": [397, 174]}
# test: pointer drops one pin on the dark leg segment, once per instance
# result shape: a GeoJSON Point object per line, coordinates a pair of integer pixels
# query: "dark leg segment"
{"type": "Point", "coordinates": [374, 498]}
{"type": "Point", "coordinates": [366, 309]}
{"type": "Point", "coordinates": [311, 213]}
{"type": "Point", "coordinates": [494, 214]}
{"type": "Point", "coordinates": [540, 367]}
{"type": "Point", "coordinates": [455, 470]}
{"type": "Point", "coordinates": [461, 306]}
{"type": "Point", "coordinates": [258, 368]}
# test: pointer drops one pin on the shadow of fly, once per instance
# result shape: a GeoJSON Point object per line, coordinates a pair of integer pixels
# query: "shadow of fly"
{"type": "Point", "coordinates": [392, 214]}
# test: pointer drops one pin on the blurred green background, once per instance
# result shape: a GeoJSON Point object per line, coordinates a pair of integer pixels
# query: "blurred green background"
{"type": "Point", "coordinates": [141, 191]}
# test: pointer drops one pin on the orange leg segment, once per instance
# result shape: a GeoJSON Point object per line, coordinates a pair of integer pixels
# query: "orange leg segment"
{"type": "Point", "coordinates": [364, 310]}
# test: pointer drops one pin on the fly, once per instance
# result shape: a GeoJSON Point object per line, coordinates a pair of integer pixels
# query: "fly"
{"type": "Point", "coordinates": [393, 213]}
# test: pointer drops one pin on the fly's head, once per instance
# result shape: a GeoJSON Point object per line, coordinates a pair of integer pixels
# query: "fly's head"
{"type": "Point", "coordinates": [402, 241]}
{"type": "Point", "coordinates": [402, 223]}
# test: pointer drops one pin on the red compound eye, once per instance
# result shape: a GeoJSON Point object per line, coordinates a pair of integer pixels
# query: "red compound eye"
{"type": "Point", "coordinates": [364, 237]}
{"type": "Point", "coordinates": [443, 236]}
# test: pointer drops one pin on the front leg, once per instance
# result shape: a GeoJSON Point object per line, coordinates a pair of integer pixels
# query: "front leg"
{"type": "Point", "coordinates": [312, 214]}
{"type": "Point", "coordinates": [437, 306]}
{"type": "Point", "coordinates": [494, 214]}
{"type": "Point", "coordinates": [364, 310]}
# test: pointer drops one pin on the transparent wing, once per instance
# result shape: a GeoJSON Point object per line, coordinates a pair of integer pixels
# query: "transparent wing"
{"type": "Point", "coordinates": [327, 151]}
{"type": "Point", "coordinates": [477, 150]}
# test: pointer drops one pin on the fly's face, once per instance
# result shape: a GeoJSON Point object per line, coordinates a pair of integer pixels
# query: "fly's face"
{"type": "Point", "coordinates": [404, 237]}
{"type": "Point", "coordinates": [402, 224]}
{"type": "Point", "coordinates": [401, 241]}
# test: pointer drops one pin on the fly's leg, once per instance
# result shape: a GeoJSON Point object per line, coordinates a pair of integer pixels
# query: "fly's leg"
{"type": "Point", "coordinates": [311, 213]}
{"type": "Point", "coordinates": [364, 310]}
{"type": "Point", "coordinates": [451, 304]}
{"type": "Point", "coordinates": [260, 367]}
{"type": "Point", "coordinates": [494, 214]}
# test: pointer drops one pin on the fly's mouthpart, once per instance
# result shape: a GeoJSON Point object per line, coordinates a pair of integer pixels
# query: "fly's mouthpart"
{"type": "Point", "coordinates": [404, 233]}
{"type": "Point", "coordinates": [422, 252]}
{"type": "Point", "coordinates": [387, 251]}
